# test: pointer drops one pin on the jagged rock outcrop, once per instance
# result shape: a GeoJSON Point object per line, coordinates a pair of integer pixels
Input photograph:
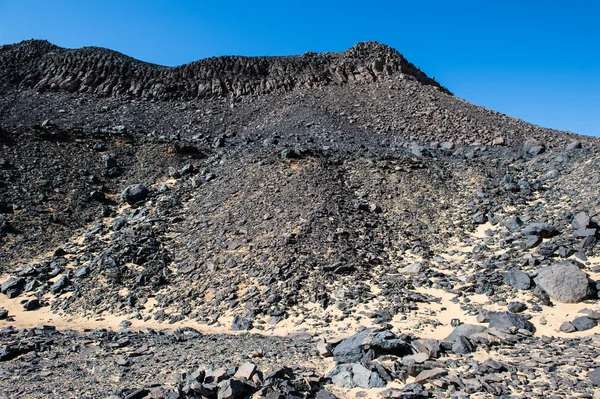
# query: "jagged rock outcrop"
{"type": "Point", "coordinates": [46, 67]}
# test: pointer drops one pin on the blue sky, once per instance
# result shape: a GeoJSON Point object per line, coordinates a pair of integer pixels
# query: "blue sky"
{"type": "Point", "coordinates": [533, 59]}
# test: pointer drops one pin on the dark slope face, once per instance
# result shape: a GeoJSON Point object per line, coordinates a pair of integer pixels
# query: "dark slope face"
{"type": "Point", "coordinates": [368, 95]}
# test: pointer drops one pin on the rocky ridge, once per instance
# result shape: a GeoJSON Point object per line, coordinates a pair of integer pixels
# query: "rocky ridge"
{"type": "Point", "coordinates": [45, 67]}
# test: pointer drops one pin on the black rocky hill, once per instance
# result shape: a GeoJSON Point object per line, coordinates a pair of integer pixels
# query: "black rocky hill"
{"type": "Point", "coordinates": [273, 184]}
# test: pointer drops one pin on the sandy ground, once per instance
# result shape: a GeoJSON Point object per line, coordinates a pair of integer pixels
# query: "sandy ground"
{"type": "Point", "coordinates": [309, 319]}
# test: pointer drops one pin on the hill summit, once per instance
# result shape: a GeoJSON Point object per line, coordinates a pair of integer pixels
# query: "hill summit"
{"type": "Point", "coordinates": [46, 67]}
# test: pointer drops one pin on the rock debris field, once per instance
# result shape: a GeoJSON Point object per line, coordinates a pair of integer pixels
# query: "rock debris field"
{"type": "Point", "coordinates": [333, 225]}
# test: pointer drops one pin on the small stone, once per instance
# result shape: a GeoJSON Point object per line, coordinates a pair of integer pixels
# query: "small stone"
{"type": "Point", "coordinates": [325, 349]}
{"type": "Point", "coordinates": [241, 324]}
{"type": "Point", "coordinates": [31, 304]}
{"type": "Point", "coordinates": [517, 279]}
{"type": "Point", "coordinates": [516, 307]}
{"type": "Point", "coordinates": [567, 327]}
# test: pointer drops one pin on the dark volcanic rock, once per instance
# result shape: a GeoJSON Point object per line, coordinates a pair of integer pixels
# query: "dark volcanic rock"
{"type": "Point", "coordinates": [542, 230]}
{"type": "Point", "coordinates": [584, 323]}
{"type": "Point", "coordinates": [14, 285]}
{"type": "Point", "coordinates": [350, 350]}
{"type": "Point", "coordinates": [462, 346]}
{"type": "Point", "coordinates": [31, 304]}
{"type": "Point", "coordinates": [508, 320]}
{"type": "Point", "coordinates": [241, 324]}
{"type": "Point", "coordinates": [135, 193]}
{"type": "Point", "coordinates": [533, 147]}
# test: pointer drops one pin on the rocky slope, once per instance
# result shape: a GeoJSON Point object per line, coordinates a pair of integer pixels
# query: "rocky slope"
{"type": "Point", "coordinates": [297, 201]}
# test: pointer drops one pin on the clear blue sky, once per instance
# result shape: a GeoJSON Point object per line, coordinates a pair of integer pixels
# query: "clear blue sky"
{"type": "Point", "coordinates": [538, 60]}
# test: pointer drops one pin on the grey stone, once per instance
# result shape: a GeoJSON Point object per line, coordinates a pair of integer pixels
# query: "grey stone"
{"type": "Point", "coordinates": [465, 330]}
{"type": "Point", "coordinates": [462, 346]}
{"type": "Point", "coordinates": [355, 375]}
{"type": "Point", "coordinates": [413, 268]}
{"type": "Point", "coordinates": [507, 320]}
{"type": "Point", "coordinates": [246, 371]}
{"type": "Point", "coordinates": [517, 279]}
{"type": "Point", "coordinates": [514, 224]}
{"type": "Point", "coordinates": [12, 284]}
{"type": "Point", "coordinates": [431, 374]}
{"type": "Point", "coordinates": [516, 307]}
{"type": "Point", "coordinates": [323, 394]}
{"type": "Point", "coordinates": [31, 304]}
{"type": "Point", "coordinates": [550, 175]}
{"type": "Point", "coordinates": [532, 241]}
{"type": "Point", "coordinates": [584, 233]}
{"type": "Point", "coordinates": [587, 242]}
{"type": "Point", "coordinates": [594, 376]}
{"type": "Point", "coordinates": [232, 389]}
{"type": "Point", "coordinates": [429, 346]}
{"type": "Point", "coordinates": [59, 285]}
{"type": "Point", "coordinates": [350, 350]}
{"type": "Point", "coordinates": [409, 391]}
{"type": "Point", "coordinates": [567, 327]}
{"type": "Point", "coordinates": [325, 349]}
{"type": "Point", "coordinates": [533, 147]}
{"type": "Point", "coordinates": [580, 221]}
{"type": "Point", "coordinates": [241, 324]}
{"type": "Point", "coordinates": [543, 230]}
{"type": "Point", "coordinates": [564, 282]}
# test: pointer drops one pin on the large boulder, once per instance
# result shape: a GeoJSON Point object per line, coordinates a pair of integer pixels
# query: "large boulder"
{"type": "Point", "coordinates": [594, 376]}
{"type": "Point", "coordinates": [135, 193]}
{"type": "Point", "coordinates": [564, 282]}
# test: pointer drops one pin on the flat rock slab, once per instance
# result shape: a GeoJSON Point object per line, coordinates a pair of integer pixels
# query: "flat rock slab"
{"type": "Point", "coordinates": [426, 375]}
{"type": "Point", "coordinates": [465, 330]}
